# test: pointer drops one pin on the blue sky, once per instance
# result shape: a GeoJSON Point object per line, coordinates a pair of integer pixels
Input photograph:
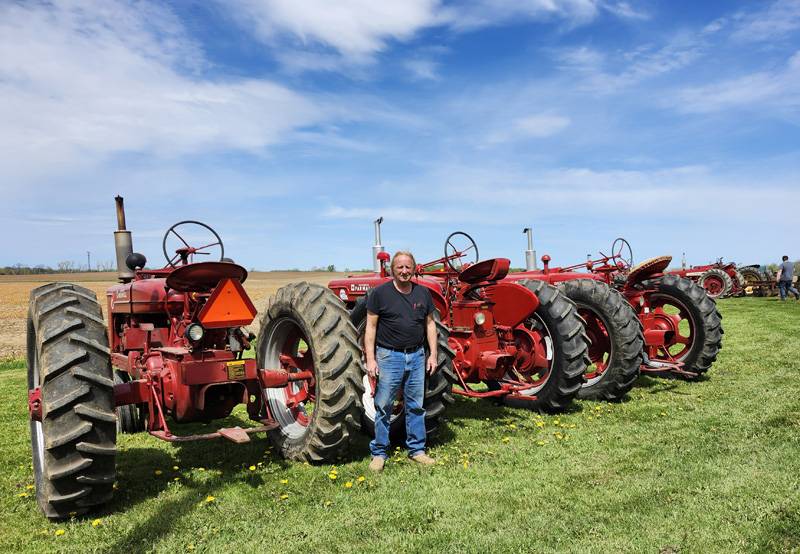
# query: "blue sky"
{"type": "Point", "coordinates": [290, 125]}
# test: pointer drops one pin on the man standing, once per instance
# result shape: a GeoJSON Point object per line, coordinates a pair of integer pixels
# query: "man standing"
{"type": "Point", "coordinates": [399, 320]}
{"type": "Point", "coordinates": [785, 273]}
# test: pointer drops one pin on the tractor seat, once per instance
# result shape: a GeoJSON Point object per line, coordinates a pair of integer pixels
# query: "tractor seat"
{"type": "Point", "coordinates": [204, 276]}
{"type": "Point", "coordinates": [649, 267]}
{"type": "Point", "coordinates": [487, 270]}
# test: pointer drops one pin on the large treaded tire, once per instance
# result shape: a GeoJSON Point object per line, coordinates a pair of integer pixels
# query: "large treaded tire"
{"type": "Point", "coordinates": [74, 446]}
{"type": "Point", "coordinates": [437, 386]}
{"type": "Point", "coordinates": [752, 275]}
{"type": "Point", "coordinates": [707, 320]}
{"type": "Point", "coordinates": [570, 349]}
{"type": "Point", "coordinates": [738, 283]}
{"type": "Point", "coordinates": [332, 342]}
{"type": "Point", "coordinates": [717, 275]}
{"type": "Point", "coordinates": [624, 334]}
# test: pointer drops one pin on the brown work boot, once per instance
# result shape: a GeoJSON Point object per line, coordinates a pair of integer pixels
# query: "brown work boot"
{"type": "Point", "coordinates": [377, 463]}
{"type": "Point", "coordinates": [423, 459]}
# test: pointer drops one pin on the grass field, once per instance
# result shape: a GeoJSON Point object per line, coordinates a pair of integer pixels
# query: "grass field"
{"type": "Point", "coordinates": [712, 466]}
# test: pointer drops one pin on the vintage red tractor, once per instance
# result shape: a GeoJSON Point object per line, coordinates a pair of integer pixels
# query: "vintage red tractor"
{"type": "Point", "coordinates": [681, 325]}
{"type": "Point", "coordinates": [718, 279]}
{"type": "Point", "coordinates": [173, 353]}
{"type": "Point", "coordinates": [517, 342]}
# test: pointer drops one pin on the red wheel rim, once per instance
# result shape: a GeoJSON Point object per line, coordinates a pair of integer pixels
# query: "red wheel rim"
{"type": "Point", "coordinates": [713, 285]}
{"type": "Point", "coordinates": [534, 360]}
{"type": "Point", "coordinates": [600, 348]}
{"type": "Point", "coordinates": [671, 315]}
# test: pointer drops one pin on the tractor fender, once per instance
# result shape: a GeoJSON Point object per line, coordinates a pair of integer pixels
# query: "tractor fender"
{"type": "Point", "coordinates": [513, 303]}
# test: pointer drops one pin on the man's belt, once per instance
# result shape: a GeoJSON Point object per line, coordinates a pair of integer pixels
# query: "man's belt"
{"type": "Point", "coordinates": [408, 350]}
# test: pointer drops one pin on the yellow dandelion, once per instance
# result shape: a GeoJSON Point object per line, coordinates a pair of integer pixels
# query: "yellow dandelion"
{"type": "Point", "coordinates": [190, 547]}
{"type": "Point", "coordinates": [252, 468]}
{"type": "Point", "coordinates": [175, 468]}
{"type": "Point", "coordinates": [663, 413]}
{"type": "Point", "coordinates": [59, 532]}
{"type": "Point", "coordinates": [361, 479]}
{"type": "Point", "coordinates": [465, 464]}
{"type": "Point", "coordinates": [540, 424]}
{"type": "Point", "coordinates": [557, 421]}
{"type": "Point", "coordinates": [284, 496]}
{"type": "Point", "coordinates": [97, 522]}
{"type": "Point", "coordinates": [506, 439]}
{"type": "Point", "coordinates": [176, 479]}
{"type": "Point", "coordinates": [210, 498]}
{"type": "Point", "coordinates": [327, 503]}
{"type": "Point", "coordinates": [541, 443]}
{"type": "Point", "coordinates": [284, 481]}
{"type": "Point", "coordinates": [158, 472]}
{"type": "Point", "coordinates": [30, 487]}
{"type": "Point", "coordinates": [512, 426]}
{"type": "Point", "coordinates": [589, 418]}
{"type": "Point", "coordinates": [332, 476]}
{"type": "Point", "coordinates": [23, 494]}
{"type": "Point", "coordinates": [348, 485]}
{"type": "Point", "coordinates": [201, 469]}
{"type": "Point", "coordinates": [598, 408]}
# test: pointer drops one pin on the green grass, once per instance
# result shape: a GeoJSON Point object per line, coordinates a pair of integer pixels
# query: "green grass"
{"type": "Point", "coordinates": [712, 466]}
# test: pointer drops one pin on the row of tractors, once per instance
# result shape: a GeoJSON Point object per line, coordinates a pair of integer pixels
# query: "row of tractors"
{"type": "Point", "coordinates": [173, 350]}
{"type": "Point", "coordinates": [721, 279]}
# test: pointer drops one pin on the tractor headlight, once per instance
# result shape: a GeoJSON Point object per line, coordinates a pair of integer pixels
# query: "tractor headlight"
{"type": "Point", "coordinates": [480, 318]}
{"type": "Point", "coordinates": [195, 332]}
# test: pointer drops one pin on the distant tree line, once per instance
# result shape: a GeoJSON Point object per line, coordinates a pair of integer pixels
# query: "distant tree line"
{"type": "Point", "coordinates": [61, 267]}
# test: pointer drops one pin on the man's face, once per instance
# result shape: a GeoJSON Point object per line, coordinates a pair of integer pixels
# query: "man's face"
{"type": "Point", "coordinates": [403, 269]}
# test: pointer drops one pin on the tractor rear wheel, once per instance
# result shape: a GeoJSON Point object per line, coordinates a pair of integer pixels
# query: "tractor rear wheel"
{"type": "Point", "coordinates": [616, 339]}
{"type": "Point", "coordinates": [738, 283]}
{"type": "Point", "coordinates": [717, 283]}
{"type": "Point", "coordinates": [74, 444]}
{"type": "Point", "coordinates": [557, 322]}
{"type": "Point", "coordinates": [698, 349]}
{"type": "Point", "coordinates": [307, 327]}
{"type": "Point", "coordinates": [437, 386]}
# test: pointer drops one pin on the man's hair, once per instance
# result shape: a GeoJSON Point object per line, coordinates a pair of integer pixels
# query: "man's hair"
{"type": "Point", "coordinates": [403, 253]}
{"type": "Point", "coordinates": [785, 258]}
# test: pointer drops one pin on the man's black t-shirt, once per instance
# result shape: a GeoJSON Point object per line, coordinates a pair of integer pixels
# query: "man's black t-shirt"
{"type": "Point", "coordinates": [401, 317]}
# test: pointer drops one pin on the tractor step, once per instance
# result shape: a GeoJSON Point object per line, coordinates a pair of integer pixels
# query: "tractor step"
{"type": "Point", "coordinates": [234, 434]}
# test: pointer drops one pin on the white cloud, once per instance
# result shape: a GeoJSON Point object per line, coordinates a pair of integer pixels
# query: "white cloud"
{"type": "Point", "coordinates": [761, 90]}
{"type": "Point", "coordinates": [355, 28]}
{"type": "Point", "coordinates": [778, 20]}
{"type": "Point", "coordinates": [531, 126]}
{"type": "Point", "coordinates": [423, 69]}
{"type": "Point", "coordinates": [474, 14]}
{"type": "Point", "coordinates": [81, 80]}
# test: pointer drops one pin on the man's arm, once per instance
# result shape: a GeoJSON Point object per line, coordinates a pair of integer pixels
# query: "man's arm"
{"type": "Point", "coordinates": [433, 343]}
{"type": "Point", "coordinates": [369, 344]}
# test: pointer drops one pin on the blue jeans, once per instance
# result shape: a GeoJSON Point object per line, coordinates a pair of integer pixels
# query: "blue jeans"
{"type": "Point", "coordinates": [398, 369]}
{"type": "Point", "coordinates": [785, 287]}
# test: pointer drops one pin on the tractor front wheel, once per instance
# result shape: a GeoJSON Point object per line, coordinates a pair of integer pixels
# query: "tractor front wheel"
{"type": "Point", "coordinates": [74, 444]}
{"type": "Point", "coordinates": [306, 328]}
{"type": "Point", "coordinates": [437, 386]}
{"type": "Point", "coordinates": [616, 339]}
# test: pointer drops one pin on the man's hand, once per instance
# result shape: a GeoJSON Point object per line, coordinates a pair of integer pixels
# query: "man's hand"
{"type": "Point", "coordinates": [431, 364]}
{"type": "Point", "coordinates": [372, 369]}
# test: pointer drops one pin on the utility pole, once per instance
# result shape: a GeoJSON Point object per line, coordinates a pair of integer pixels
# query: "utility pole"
{"type": "Point", "coordinates": [88, 261]}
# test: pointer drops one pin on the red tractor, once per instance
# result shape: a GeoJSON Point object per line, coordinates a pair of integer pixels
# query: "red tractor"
{"type": "Point", "coordinates": [173, 353]}
{"type": "Point", "coordinates": [718, 279]}
{"type": "Point", "coordinates": [522, 343]}
{"type": "Point", "coordinates": [681, 325]}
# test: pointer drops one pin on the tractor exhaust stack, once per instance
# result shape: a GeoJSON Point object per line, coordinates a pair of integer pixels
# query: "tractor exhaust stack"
{"type": "Point", "coordinates": [123, 243]}
{"type": "Point", "coordinates": [530, 253]}
{"type": "Point", "coordinates": [378, 247]}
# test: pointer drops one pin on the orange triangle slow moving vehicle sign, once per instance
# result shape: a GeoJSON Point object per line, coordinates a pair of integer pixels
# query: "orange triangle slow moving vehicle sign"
{"type": "Point", "coordinates": [228, 306]}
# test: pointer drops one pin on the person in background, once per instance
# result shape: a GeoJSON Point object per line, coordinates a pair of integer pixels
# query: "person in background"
{"type": "Point", "coordinates": [785, 273]}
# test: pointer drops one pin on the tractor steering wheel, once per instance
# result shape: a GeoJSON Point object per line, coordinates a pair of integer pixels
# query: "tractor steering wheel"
{"type": "Point", "coordinates": [190, 231]}
{"type": "Point", "coordinates": [456, 247]}
{"type": "Point", "coordinates": [621, 250]}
